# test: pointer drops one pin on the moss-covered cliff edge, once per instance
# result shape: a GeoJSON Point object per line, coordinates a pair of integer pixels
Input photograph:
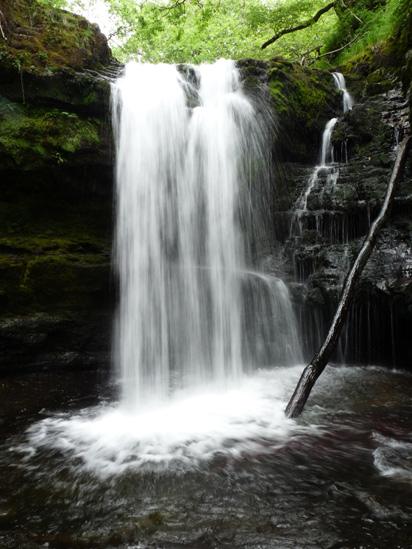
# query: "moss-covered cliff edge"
{"type": "Point", "coordinates": [56, 186]}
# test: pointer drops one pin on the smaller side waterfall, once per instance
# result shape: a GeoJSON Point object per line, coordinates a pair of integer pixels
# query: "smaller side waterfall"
{"type": "Point", "coordinates": [327, 149]}
{"type": "Point", "coordinates": [326, 173]}
{"type": "Point", "coordinates": [341, 86]}
{"type": "Point", "coordinates": [326, 168]}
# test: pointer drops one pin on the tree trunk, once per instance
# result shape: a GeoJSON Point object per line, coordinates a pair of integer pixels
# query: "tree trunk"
{"type": "Point", "coordinates": [322, 357]}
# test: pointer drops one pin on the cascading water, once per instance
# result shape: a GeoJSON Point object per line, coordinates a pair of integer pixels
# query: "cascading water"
{"type": "Point", "coordinates": [325, 168]}
{"type": "Point", "coordinates": [197, 319]}
{"type": "Point", "coordinates": [191, 307]}
{"type": "Point", "coordinates": [323, 178]}
{"type": "Point", "coordinates": [341, 86]}
{"type": "Point", "coordinates": [326, 154]}
{"type": "Point", "coordinates": [326, 172]}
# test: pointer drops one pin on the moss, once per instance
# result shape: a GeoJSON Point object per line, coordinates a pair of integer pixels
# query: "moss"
{"type": "Point", "coordinates": [71, 246]}
{"type": "Point", "coordinates": [63, 281]}
{"type": "Point", "coordinates": [33, 137]}
{"type": "Point", "coordinates": [305, 93]}
{"type": "Point", "coordinates": [378, 82]}
{"type": "Point", "coordinates": [150, 523]}
{"type": "Point", "coordinates": [53, 262]}
{"type": "Point", "coordinates": [49, 38]}
{"type": "Point", "coordinates": [304, 99]}
{"type": "Point", "coordinates": [55, 164]}
{"type": "Point", "coordinates": [382, 49]}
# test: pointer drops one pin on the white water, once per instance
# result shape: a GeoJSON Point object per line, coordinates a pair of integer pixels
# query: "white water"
{"type": "Point", "coordinates": [326, 155]}
{"type": "Point", "coordinates": [341, 86]}
{"type": "Point", "coordinates": [184, 222]}
{"type": "Point", "coordinates": [327, 170]}
{"type": "Point", "coordinates": [197, 319]}
{"type": "Point", "coordinates": [245, 418]}
{"type": "Point", "coordinates": [326, 167]}
{"type": "Point", "coordinates": [393, 458]}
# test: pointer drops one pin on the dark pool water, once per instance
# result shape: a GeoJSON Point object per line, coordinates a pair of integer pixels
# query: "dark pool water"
{"type": "Point", "coordinates": [340, 478]}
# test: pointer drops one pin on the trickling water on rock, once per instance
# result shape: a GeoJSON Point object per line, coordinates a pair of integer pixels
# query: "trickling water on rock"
{"type": "Point", "coordinates": [327, 149]}
{"type": "Point", "coordinates": [341, 86]}
{"type": "Point", "coordinates": [325, 171]}
{"type": "Point", "coordinates": [325, 174]}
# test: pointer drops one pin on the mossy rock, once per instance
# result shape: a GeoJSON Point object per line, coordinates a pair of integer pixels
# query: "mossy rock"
{"type": "Point", "coordinates": [78, 92]}
{"type": "Point", "coordinates": [150, 523]}
{"type": "Point", "coordinates": [50, 58]}
{"type": "Point", "coordinates": [304, 100]}
{"type": "Point", "coordinates": [65, 281]}
{"type": "Point", "coordinates": [41, 38]}
{"type": "Point", "coordinates": [53, 282]}
{"type": "Point", "coordinates": [378, 82]}
{"type": "Point", "coordinates": [31, 138]}
{"type": "Point", "coordinates": [54, 272]}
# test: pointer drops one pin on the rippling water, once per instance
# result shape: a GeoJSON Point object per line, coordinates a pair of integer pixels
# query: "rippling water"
{"type": "Point", "coordinates": [79, 472]}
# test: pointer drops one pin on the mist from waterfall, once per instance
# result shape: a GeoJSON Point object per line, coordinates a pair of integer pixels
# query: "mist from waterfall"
{"type": "Point", "coordinates": [192, 156]}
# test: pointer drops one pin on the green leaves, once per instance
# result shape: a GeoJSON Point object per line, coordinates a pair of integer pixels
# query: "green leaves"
{"type": "Point", "coordinates": [194, 31]}
{"type": "Point", "coordinates": [176, 31]}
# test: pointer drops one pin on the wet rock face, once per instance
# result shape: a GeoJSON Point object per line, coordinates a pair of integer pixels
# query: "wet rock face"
{"type": "Point", "coordinates": [56, 199]}
{"type": "Point", "coordinates": [302, 98]}
{"type": "Point", "coordinates": [46, 340]}
{"type": "Point", "coordinates": [339, 213]}
{"type": "Point", "coordinates": [56, 167]}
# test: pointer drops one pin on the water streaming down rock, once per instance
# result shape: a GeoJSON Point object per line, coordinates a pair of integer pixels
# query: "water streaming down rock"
{"type": "Point", "coordinates": [325, 175]}
{"type": "Point", "coordinates": [341, 86]}
{"type": "Point", "coordinates": [325, 171]}
{"type": "Point", "coordinates": [327, 149]}
{"type": "Point", "coordinates": [189, 148]}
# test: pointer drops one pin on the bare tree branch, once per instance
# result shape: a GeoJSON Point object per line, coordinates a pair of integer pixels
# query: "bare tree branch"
{"type": "Point", "coordinates": [176, 4]}
{"type": "Point", "coordinates": [341, 48]}
{"type": "Point", "coordinates": [301, 26]}
{"type": "Point", "coordinates": [1, 26]}
{"type": "Point", "coordinates": [304, 55]}
{"type": "Point", "coordinates": [351, 12]}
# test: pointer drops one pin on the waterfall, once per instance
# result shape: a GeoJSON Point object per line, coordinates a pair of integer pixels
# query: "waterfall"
{"type": "Point", "coordinates": [341, 86]}
{"type": "Point", "coordinates": [326, 154]}
{"type": "Point", "coordinates": [326, 170]}
{"type": "Point", "coordinates": [326, 167]}
{"type": "Point", "coordinates": [193, 308]}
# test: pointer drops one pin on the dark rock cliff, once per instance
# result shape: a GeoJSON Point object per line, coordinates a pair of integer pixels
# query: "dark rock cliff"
{"type": "Point", "coordinates": [340, 210]}
{"type": "Point", "coordinates": [56, 188]}
{"type": "Point", "coordinates": [57, 296]}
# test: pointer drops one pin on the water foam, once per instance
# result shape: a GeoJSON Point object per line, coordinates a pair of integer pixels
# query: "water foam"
{"type": "Point", "coordinates": [393, 458]}
{"type": "Point", "coordinates": [244, 419]}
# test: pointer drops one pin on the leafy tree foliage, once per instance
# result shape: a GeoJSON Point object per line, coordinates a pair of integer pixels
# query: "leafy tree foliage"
{"type": "Point", "coordinates": [203, 30]}
{"type": "Point", "coordinates": [54, 3]}
{"type": "Point", "coordinates": [370, 24]}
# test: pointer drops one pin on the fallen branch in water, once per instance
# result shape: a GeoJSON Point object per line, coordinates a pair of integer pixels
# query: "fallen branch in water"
{"type": "Point", "coordinates": [320, 360]}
